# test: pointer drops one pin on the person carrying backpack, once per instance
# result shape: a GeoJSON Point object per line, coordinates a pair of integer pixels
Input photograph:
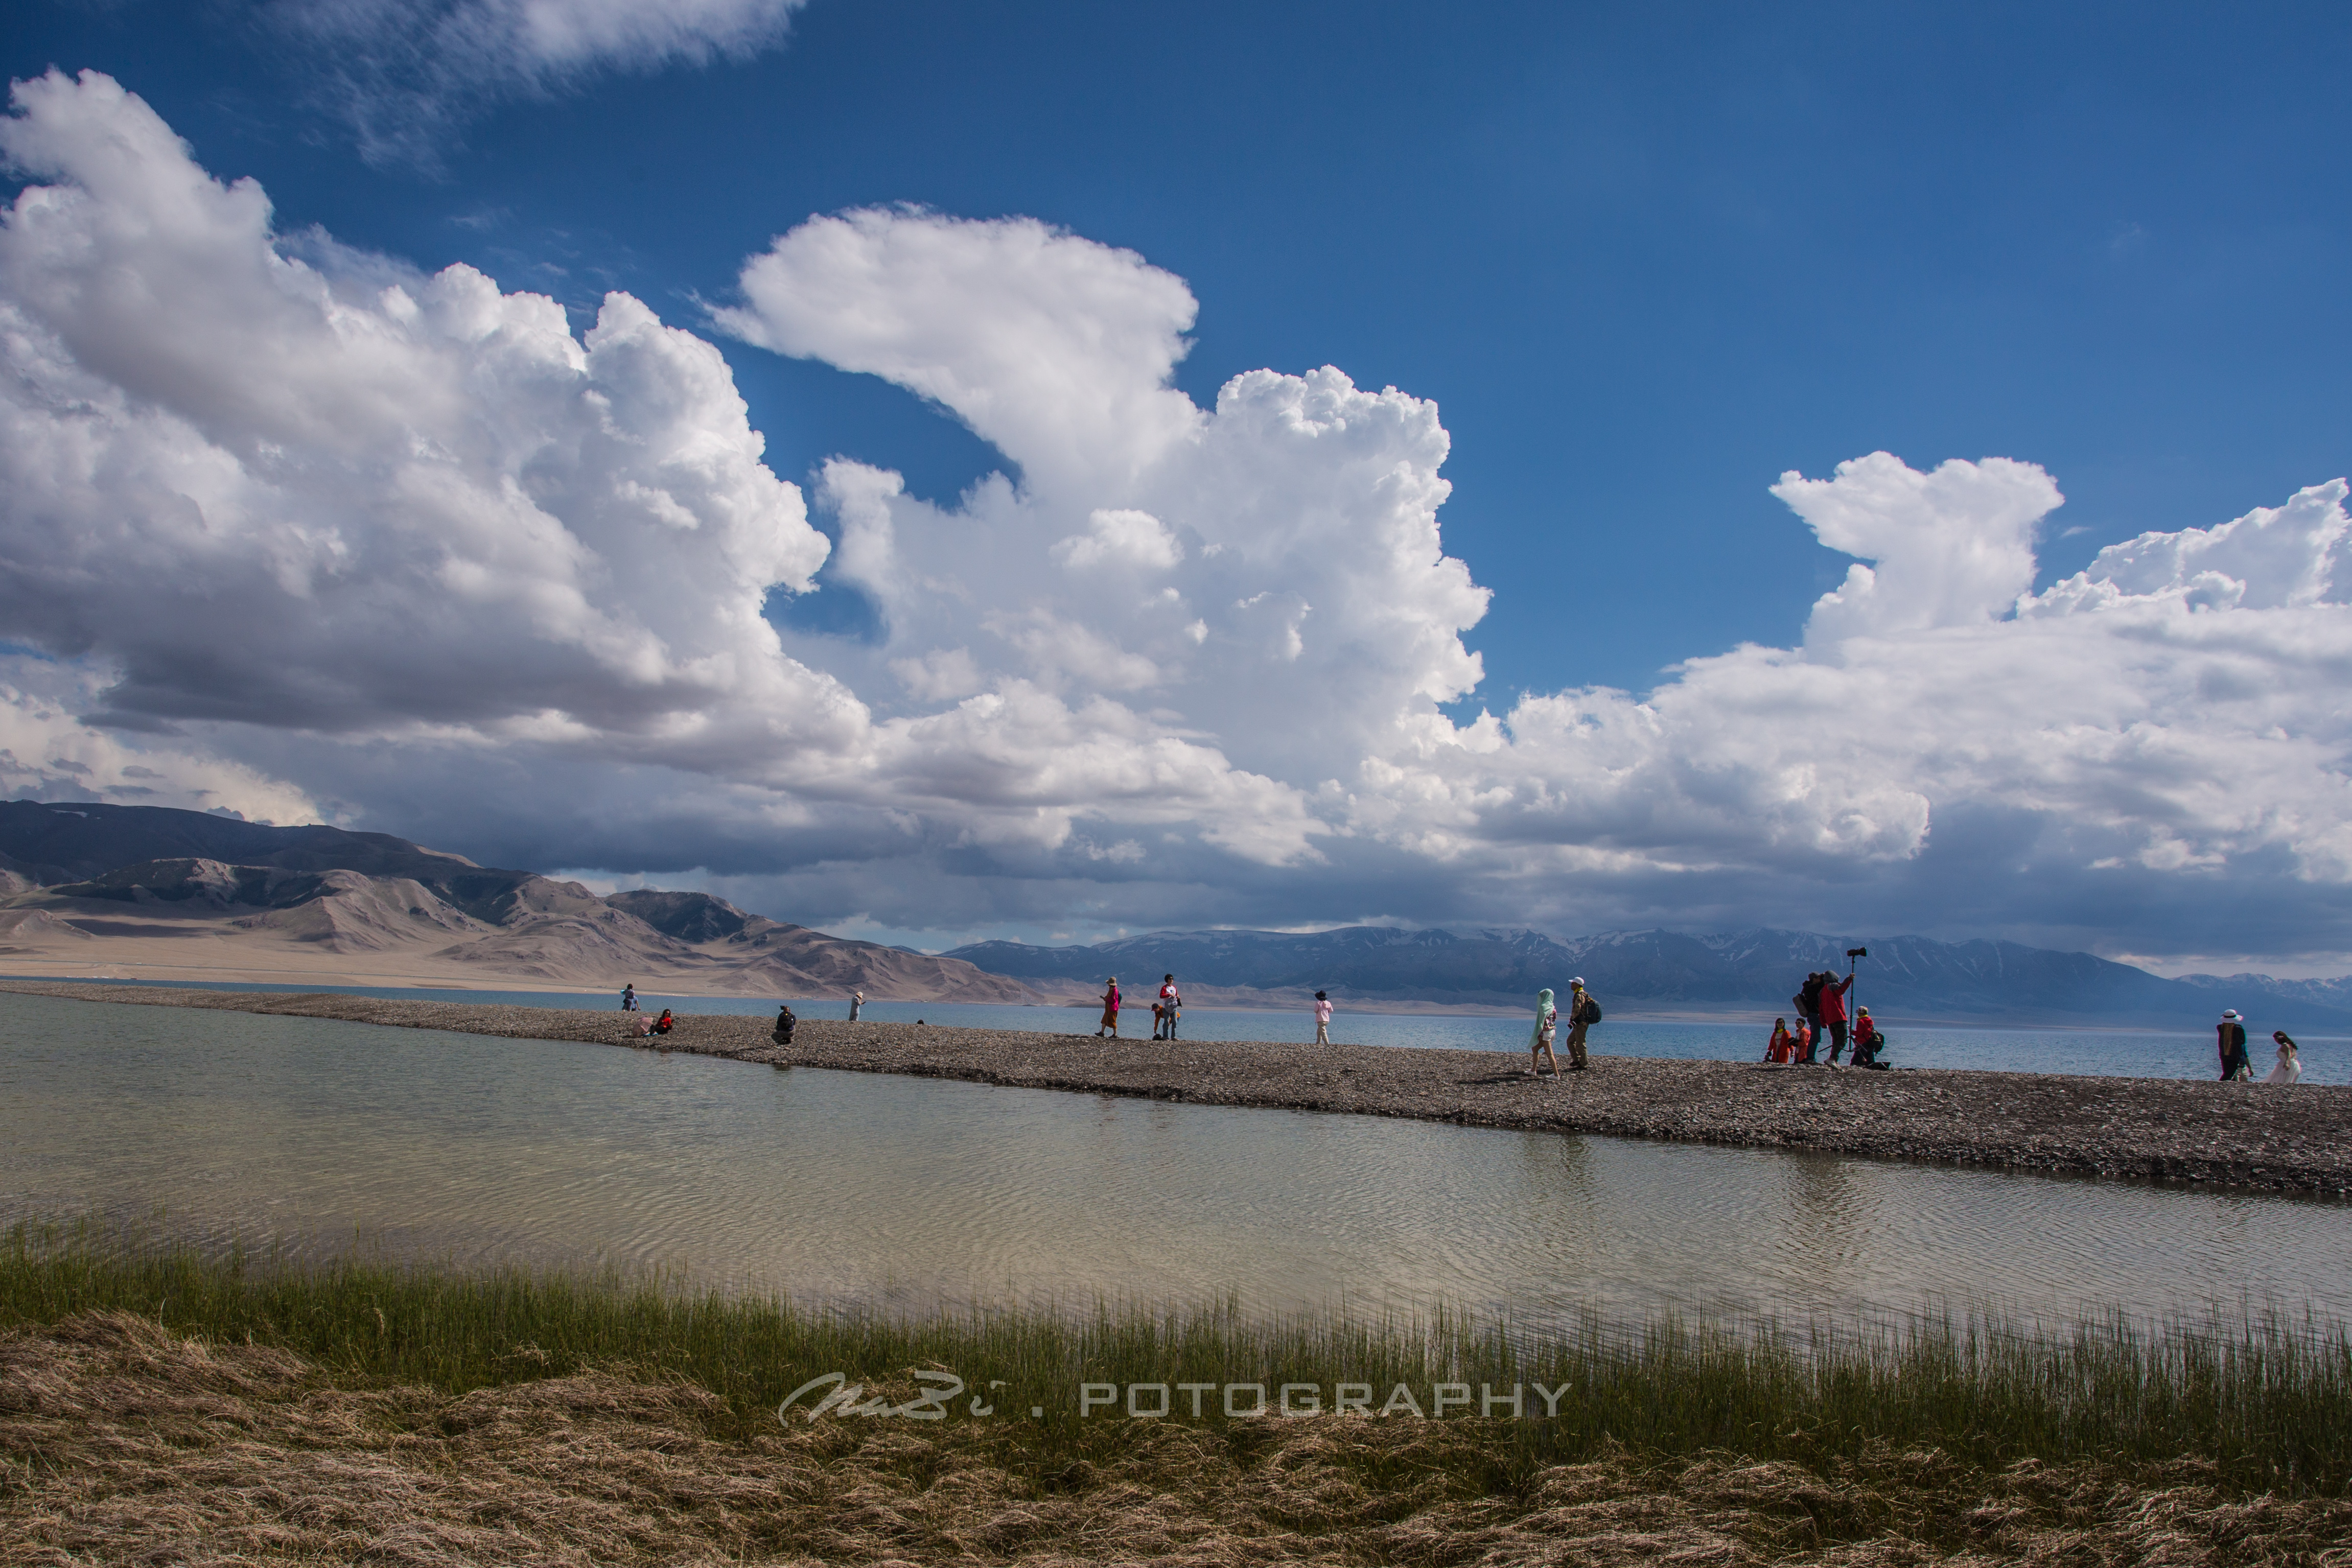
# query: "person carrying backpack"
{"type": "Point", "coordinates": [1583, 1012]}
{"type": "Point", "coordinates": [1807, 1003]}
{"type": "Point", "coordinates": [1867, 1042]}
{"type": "Point", "coordinates": [2232, 1039]}
{"type": "Point", "coordinates": [785, 1023]}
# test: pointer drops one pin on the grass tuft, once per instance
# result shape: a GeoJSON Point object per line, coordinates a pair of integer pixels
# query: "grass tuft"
{"type": "Point", "coordinates": [2264, 1403]}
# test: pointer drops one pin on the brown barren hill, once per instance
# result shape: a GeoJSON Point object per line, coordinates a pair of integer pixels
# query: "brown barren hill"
{"type": "Point", "coordinates": [197, 919]}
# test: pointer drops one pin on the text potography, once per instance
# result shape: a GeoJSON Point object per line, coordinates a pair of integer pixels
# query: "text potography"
{"type": "Point", "coordinates": [834, 1395]}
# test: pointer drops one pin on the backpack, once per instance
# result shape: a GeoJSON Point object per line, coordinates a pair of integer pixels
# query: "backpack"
{"type": "Point", "coordinates": [1590, 1012]}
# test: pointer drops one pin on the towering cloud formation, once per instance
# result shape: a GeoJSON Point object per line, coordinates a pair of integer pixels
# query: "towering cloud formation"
{"type": "Point", "coordinates": [321, 528]}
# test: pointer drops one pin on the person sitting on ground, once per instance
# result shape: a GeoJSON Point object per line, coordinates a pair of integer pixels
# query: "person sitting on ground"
{"type": "Point", "coordinates": [1322, 1019]}
{"type": "Point", "coordinates": [1110, 1011]}
{"type": "Point", "coordinates": [644, 1026]}
{"type": "Point", "coordinates": [2290, 1060]}
{"type": "Point", "coordinates": [665, 1023]}
{"type": "Point", "coordinates": [1539, 1043]}
{"type": "Point", "coordinates": [2230, 1034]}
{"type": "Point", "coordinates": [1782, 1045]}
{"type": "Point", "coordinates": [1867, 1042]}
{"type": "Point", "coordinates": [785, 1023]}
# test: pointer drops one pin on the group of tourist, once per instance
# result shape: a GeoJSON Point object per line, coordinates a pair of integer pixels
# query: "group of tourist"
{"type": "Point", "coordinates": [1821, 1004]}
{"type": "Point", "coordinates": [1583, 1012]}
{"type": "Point", "coordinates": [644, 1026]}
{"type": "Point", "coordinates": [1166, 1009]}
{"type": "Point", "coordinates": [2230, 1036]}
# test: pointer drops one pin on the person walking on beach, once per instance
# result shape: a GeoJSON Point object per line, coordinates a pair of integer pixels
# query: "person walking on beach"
{"type": "Point", "coordinates": [1170, 1006]}
{"type": "Point", "coordinates": [1583, 1012]}
{"type": "Point", "coordinates": [856, 1002]}
{"type": "Point", "coordinates": [1322, 1019]}
{"type": "Point", "coordinates": [1110, 1011]}
{"type": "Point", "coordinates": [2232, 1037]}
{"type": "Point", "coordinates": [629, 998]}
{"type": "Point", "coordinates": [1539, 1043]}
{"type": "Point", "coordinates": [1832, 1006]}
{"type": "Point", "coordinates": [2290, 1061]}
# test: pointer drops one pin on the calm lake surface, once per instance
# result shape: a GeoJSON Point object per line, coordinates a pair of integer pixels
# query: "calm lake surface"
{"type": "Point", "coordinates": [2122, 1054]}
{"type": "Point", "coordinates": [851, 1187]}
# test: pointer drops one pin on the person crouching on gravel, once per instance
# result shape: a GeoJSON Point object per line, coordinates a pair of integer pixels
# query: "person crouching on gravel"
{"type": "Point", "coordinates": [1110, 1011]}
{"type": "Point", "coordinates": [1539, 1043]}
{"type": "Point", "coordinates": [1867, 1041]}
{"type": "Point", "coordinates": [785, 1023]}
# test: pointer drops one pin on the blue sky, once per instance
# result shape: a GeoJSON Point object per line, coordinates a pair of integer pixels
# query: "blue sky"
{"type": "Point", "coordinates": [1642, 258]}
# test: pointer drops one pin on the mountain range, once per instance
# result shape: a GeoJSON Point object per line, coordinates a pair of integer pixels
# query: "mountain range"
{"type": "Point", "coordinates": [1666, 971]}
{"type": "Point", "coordinates": [156, 893]}
{"type": "Point", "coordinates": [147, 891]}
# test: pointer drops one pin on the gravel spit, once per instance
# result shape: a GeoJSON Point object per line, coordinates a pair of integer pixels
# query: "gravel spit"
{"type": "Point", "coordinates": [2296, 1139]}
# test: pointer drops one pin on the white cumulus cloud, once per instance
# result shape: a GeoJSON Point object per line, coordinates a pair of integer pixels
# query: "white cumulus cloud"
{"type": "Point", "coordinates": [339, 498]}
{"type": "Point", "coordinates": [292, 527]}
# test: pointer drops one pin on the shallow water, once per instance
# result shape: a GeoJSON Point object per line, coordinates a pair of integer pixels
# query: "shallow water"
{"type": "Point", "coordinates": [2123, 1053]}
{"type": "Point", "coordinates": [838, 1186]}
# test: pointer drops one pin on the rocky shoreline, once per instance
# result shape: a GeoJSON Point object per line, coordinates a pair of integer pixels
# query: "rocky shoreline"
{"type": "Point", "coordinates": [2227, 1134]}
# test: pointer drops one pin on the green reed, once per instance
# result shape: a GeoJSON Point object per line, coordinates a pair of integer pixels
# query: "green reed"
{"type": "Point", "coordinates": [2266, 1399]}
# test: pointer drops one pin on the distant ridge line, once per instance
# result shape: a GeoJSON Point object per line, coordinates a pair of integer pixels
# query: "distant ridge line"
{"type": "Point", "coordinates": [1757, 968]}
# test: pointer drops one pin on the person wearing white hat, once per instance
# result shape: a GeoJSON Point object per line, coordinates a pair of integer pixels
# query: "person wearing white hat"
{"type": "Point", "coordinates": [1578, 1019]}
{"type": "Point", "coordinates": [2230, 1034]}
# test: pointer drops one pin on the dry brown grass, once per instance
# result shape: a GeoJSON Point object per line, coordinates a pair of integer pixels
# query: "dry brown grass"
{"type": "Point", "coordinates": [125, 1443]}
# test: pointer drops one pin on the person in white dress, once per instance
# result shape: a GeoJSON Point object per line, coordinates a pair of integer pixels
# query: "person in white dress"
{"type": "Point", "coordinates": [2290, 1061]}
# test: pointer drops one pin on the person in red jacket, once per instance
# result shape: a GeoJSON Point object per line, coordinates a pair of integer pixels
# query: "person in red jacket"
{"type": "Point", "coordinates": [1833, 1011]}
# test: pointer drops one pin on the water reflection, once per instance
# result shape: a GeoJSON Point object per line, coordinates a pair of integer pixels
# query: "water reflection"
{"type": "Point", "coordinates": [913, 1191]}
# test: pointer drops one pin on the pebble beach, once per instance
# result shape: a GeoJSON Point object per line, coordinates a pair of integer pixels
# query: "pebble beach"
{"type": "Point", "coordinates": [2296, 1139]}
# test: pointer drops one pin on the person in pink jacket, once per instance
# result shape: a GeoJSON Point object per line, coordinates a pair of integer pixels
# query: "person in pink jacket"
{"type": "Point", "coordinates": [1322, 1019]}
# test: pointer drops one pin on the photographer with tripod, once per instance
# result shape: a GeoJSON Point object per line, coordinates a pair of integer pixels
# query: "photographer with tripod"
{"type": "Point", "coordinates": [1833, 1003]}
